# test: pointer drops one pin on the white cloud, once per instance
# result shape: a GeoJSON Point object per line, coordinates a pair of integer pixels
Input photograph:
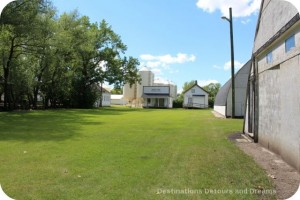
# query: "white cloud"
{"type": "Point", "coordinates": [164, 60]}
{"type": "Point", "coordinates": [227, 66]}
{"type": "Point", "coordinates": [153, 64]}
{"type": "Point", "coordinates": [162, 80]}
{"type": "Point", "coordinates": [159, 63]}
{"type": "Point", "coordinates": [237, 65]}
{"type": "Point", "coordinates": [206, 82]}
{"type": "Point", "coordinates": [240, 8]}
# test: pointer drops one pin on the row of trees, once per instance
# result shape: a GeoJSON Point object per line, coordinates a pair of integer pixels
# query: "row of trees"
{"type": "Point", "coordinates": [59, 58]}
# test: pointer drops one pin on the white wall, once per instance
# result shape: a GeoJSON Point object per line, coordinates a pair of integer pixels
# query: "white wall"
{"type": "Point", "coordinates": [220, 109]}
{"type": "Point", "coordinates": [118, 100]}
{"type": "Point", "coordinates": [105, 100]}
{"type": "Point", "coordinates": [197, 91]}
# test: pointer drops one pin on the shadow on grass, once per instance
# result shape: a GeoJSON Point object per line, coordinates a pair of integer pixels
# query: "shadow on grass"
{"type": "Point", "coordinates": [52, 125]}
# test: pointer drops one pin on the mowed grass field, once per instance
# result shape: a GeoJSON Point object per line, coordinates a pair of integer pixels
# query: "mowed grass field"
{"type": "Point", "coordinates": [123, 153]}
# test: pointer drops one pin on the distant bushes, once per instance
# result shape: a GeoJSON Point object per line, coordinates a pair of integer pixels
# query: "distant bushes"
{"type": "Point", "coordinates": [178, 103]}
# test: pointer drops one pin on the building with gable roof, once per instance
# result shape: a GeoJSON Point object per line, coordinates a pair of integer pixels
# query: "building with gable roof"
{"type": "Point", "coordinates": [195, 97]}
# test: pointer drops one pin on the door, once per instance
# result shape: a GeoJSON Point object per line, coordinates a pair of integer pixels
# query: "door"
{"type": "Point", "coordinates": [161, 103]}
{"type": "Point", "coordinates": [190, 101]}
{"type": "Point", "coordinates": [199, 102]}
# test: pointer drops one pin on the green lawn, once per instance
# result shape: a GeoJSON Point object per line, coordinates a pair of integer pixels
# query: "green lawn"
{"type": "Point", "coordinates": [123, 153]}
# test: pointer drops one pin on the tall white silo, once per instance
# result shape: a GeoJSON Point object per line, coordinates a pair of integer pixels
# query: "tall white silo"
{"type": "Point", "coordinates": [129, 93]}
{"type": "Point", "coordinates": [147, 79]}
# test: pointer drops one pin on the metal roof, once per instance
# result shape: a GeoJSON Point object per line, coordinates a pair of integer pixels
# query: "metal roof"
{"type": "Point", "coordinates": [221, 98]}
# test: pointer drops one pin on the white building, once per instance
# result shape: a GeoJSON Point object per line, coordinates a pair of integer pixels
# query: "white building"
{"type": "Point", "coordinates": [223, 101]}
{"type": "Point", "coordinates": [157, 97]}
{"type": "Point", "coordinates": [150, 92]}
{"type": "Point", "coordinates": [273, 109]}
{"type": "Point", "coordinates": [118, 99]}
{"type": "Point", "coordinates": [106, 96]}
{"type": "Point", "coordinates": [195, 97]}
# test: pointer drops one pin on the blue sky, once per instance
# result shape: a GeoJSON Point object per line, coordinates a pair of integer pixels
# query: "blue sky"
{"type": "Point", "coordinates": [179, 40]}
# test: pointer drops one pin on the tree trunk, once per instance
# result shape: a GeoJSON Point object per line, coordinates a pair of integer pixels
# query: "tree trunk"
{"type": "Point", "coordinates": [35, 94]}
{"type": "Point", "coordinates": [5, 85]}
{"type": "Point", "coordinates": [7, 99]}
{"type": "Point", "coordinates": [101, 94]}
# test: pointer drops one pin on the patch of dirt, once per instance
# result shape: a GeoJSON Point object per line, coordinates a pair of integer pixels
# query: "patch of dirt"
{"type": "Point", "coordinates": [286, 179]}
{"type": "Point", "coordinates": [218, 115]}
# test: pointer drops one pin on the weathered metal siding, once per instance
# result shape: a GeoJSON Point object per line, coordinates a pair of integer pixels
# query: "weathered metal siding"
{"type": "Point", "coordinates": [269, 109]}
{"type": "Point", "coordinates": [290, 111]}
{"type": "Point", "coordinates": [277, 84]}
{"type": "Point", "coordinates": [279, 110]}
{"type": "Point", "coordinates": [275, 14]}
{"type": "Point", "coordinates": [241, 81]}
{"type": "Point", "coordinates": [223, 102]}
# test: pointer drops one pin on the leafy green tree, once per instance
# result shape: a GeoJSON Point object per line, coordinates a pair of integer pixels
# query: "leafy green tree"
{"type": "Point", "coordinates": [61, 59]}
{"type": "Point", "coordinates": [116, 91]}
{"type": "Point", "coordinates": [100, 52]}
{"type": "Point", "coordinates": [18, 28]}
{"type": "Point", "coordinates": [45, 48]}
{"type": "Point", "coordinates": [212, 89]}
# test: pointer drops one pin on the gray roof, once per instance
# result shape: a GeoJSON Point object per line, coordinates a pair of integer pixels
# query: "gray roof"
{"type": "Point", "coordinates": [221, 98]}
{"type": "Point", "coordinates": [240, 82]}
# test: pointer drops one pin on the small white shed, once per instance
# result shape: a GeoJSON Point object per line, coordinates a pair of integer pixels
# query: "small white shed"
{"type": "Point", "coordinates": [195, 97]}
{"type": "Point", "coordinates": [118, 99]}
{"type": "Point", "coordinates": [106, 98]}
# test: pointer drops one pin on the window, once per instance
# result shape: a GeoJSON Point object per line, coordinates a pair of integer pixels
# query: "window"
{"type": "Point", "coordinates": [290, 43]}
{"type": "Point", "coordinates": [269, 57]}
{"type": "Point", "coordinates": [193, 91]}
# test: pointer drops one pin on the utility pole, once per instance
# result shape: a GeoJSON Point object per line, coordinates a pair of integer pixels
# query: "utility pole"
{"type": "Point", "coordinates": [232, 61]}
